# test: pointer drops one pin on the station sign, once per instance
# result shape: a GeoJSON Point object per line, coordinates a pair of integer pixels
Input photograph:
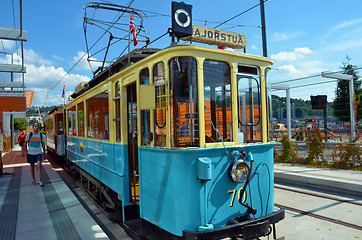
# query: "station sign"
{"type": "Point", "coordinates": [216, 37]}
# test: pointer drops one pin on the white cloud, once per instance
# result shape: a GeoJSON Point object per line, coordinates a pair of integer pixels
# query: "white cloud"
{"type": "Point", "coordinates": [344, 45]}
{"type": "Point", "coordinates": [34, 58]}
{"type": "Point", "coordinates": [83, 63]}
{"type": "Point", "coordinates": [280, 36]}
{"type": "Point", "coordinates": [303, 50]}
{"type": "Point", "coordinates": [58, 58]}
{"type": "Point", "coordinates": [347, 24]}
{"type": "Point", "coordinates": [42, 79]}
{"type": "Point", "coordinates": [291, 56]}
{"type": "Point", "coordinates": [8, 45]}
{"type": "Point", "coordinates": [289, 69]}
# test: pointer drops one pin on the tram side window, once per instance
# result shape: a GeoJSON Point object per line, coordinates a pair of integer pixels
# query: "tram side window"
{"type": "Point", "coordinates": [249, 104]}
{"type": "Point", "coordinates": [81, 119]}
{"type": "Point", "coordinates": [145, 128]}
{"type": "Point", "coordinates": [145, 114]}
{"type": "Point", "coordinates": [160, 101]}
{"type": "Point", "coordinates": [184, 102]}
{"type": "Point", "coordinates": [117, 103]}
{"type": "Point", "coordinates": [59, 124]}
{"type": "Point", "coordinates": [49, 125]}
{"type": "Point", "coordinates": [72, 130]}
{"type": "Point", "coordinates": [217, 102]}
{"type": "Point", "coordinates": [98, 116]}
{"type": "Point", "coordinates": [145, 76]}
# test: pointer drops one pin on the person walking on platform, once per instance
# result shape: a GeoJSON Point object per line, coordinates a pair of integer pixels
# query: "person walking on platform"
{"type": "Point", "coordinates": [21, 142]}
{"type": "Point", "coordinates": [34, 143]}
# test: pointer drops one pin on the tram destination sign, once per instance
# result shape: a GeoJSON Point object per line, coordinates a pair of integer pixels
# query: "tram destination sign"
{"type": "Point", "coordinates": [217, 37]}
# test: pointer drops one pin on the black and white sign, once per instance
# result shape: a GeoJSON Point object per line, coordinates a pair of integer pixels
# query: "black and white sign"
{"type": "Point", "coordinates": [181, 19]}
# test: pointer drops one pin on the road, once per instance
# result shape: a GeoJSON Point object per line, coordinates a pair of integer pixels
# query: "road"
{"type": "Point", "coordinates": [311, 214]}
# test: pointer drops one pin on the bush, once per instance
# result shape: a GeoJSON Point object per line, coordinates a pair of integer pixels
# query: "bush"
{"type": "Point", "coordinates": [289, 152]}
{"type": "Point", "coordinates": [315, 147]}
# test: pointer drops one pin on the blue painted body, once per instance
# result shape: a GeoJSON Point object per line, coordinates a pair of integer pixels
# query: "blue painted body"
{"type": "Point", "coordinates": [56, 143]}
{"type": "Point", "coordinates": [172, 197]}
{"type": "Point", "coordinates": [60, 146]}
{"type": "Point", "coordinates": [104, 161]}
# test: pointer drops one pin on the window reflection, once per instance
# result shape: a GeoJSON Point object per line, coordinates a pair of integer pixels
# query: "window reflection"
{"type": "Point", "coordinates": [217, 102]}
{"type": "Point", "coordinates": [98, 116]}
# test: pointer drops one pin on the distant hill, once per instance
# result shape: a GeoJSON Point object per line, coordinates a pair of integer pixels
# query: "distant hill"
{"type": "Point", "coordinates": [303, 109]}
{"type": "Point", "coordinates": [34, 110]}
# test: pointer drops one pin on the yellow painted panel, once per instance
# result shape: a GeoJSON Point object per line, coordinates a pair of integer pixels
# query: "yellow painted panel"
{"type": "Point", "coordinates": [147, 92]}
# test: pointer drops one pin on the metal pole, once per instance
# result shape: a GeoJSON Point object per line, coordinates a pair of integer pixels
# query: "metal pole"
{"type": "Point", "coordinates": [325, 120]}
{"type": "Point", "coordinates": [289, 125]}
{"type": "Point", "coordinates": [263, 30]}
{"type": "Point", "coordinates": [351, 109]}
{"type": "Point", "coordinates": [12, 131]}
{"type": "Point", "coordinates": [271, 115]}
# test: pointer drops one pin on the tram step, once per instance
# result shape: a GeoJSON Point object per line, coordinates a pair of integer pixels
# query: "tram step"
{"type": "Point", "coordinates": [131, 211]}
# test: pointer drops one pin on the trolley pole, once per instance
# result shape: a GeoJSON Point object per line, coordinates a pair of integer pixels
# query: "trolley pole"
{"type": "Point", "coordinates": [263, 30]}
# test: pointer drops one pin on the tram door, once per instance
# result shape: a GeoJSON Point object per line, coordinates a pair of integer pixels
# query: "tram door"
{"type": "Point", "coordinates": [132, 142]}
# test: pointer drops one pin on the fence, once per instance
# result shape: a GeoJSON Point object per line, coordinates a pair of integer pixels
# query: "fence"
{"type": "Point", "coordinates": [319, 150]}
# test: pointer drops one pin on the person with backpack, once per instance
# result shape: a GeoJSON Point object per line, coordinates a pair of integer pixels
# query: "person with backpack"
{"type": "Point", "coordinates": [34, 143]}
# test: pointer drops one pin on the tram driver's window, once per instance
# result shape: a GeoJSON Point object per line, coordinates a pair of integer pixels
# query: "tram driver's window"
{"type": "Point", "coordinates": [160, 102]}
{"type": "Point", "coordinates": [184, 102]}
{"type": "Point", "coordinates": [217, 102]}
{"type": "Point", "coordinates": [249, 103]}
{"type": "Point", "coordinates": [98, 116]}
{"type": "Point", "coordinates": [72, 130]}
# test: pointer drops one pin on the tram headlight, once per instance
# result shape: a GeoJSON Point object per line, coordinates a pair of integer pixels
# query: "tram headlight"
{"type": "Point", "coordinates": [238, 171]}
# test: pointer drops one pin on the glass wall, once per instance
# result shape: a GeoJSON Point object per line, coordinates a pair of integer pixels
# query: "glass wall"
{"type": "Point", "coordinates": [218, 118]}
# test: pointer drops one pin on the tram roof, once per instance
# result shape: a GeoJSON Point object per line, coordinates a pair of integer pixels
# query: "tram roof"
{"type": "Point", "coordinates": [56, 108]}
{"type": "Point", "coordinates": [142, 53]}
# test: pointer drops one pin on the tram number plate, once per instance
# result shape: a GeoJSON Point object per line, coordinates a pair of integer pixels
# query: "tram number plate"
{"type": "Point", "coordinates": [234, 193]}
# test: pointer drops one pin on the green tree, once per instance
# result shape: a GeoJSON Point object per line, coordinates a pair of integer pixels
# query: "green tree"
{"type": "Point", "coordinates": [341, 103]}
{"type": "Point", "coordinates": [20, 124]}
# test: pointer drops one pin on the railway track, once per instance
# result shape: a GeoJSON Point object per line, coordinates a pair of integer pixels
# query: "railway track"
{"type": "Point", "coordinates": [315, 214]}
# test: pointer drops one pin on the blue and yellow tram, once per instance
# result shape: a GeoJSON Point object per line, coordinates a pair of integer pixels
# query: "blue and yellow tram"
{"type": "Point", "coordinates": [54, 125]}
{"type": "Point", "coordinates": [180, 138]}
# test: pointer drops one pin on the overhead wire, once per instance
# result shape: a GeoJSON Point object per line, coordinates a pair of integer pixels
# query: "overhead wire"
{"type": "Point", "coordinates": [239, 14]}
{"type": "Point", "coordinates": [66, 74]}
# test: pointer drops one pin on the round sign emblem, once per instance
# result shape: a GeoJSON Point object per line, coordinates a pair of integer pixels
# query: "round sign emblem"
{"type": "Point", "coordinates": [180, 14]}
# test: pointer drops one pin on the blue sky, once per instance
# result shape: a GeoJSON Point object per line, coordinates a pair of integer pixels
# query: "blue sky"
{"type": "Point", "coordinates": [304, 38]}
